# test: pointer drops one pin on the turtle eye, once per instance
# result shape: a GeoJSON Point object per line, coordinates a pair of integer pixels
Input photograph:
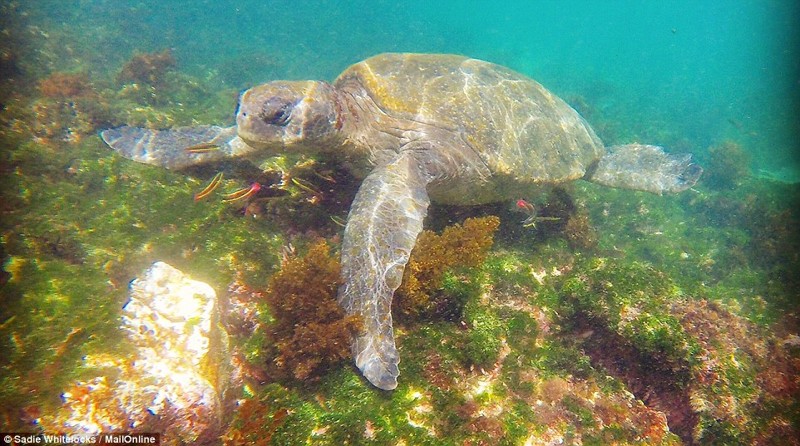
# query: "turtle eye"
{"type": "Point", "coordinates": [276, 112]}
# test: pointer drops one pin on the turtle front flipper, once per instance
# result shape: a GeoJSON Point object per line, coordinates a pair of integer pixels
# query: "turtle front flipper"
{"type": "Point", "coordinates": [647, 168]}
{"type": "Point", "coordinates": [176, 148]}
{"type": "Point", "coordinates": [385, 219]}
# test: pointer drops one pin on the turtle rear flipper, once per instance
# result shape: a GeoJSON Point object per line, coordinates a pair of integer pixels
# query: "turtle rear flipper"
{"type": "Point", "coordinates": [385, 219]}
{"type": "Point", "coordinates": [647, 168]}
{"type": "Point", "coordinates": [176, 148]}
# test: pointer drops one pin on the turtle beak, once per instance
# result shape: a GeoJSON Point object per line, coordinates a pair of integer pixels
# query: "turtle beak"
{"type": "Point", "coordinates": [256, 131]}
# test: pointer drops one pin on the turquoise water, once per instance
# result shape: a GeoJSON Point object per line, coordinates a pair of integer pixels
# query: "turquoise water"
{"type": "Point", "coordinates": [682, 74]}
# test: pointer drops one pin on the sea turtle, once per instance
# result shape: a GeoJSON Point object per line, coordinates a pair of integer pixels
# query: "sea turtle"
{"type": "Point", "coordinates": [417, 127]}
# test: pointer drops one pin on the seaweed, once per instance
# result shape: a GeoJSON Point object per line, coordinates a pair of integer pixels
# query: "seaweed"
{"type": "Point", "coordinates": [62, 245]}
{"type": "Point", "coordinates": [714, 373]}
{"type": "Point", "coordinates": [311, 332]}
{"type": "Point", "coordinates": [66, 85]}
{"type": "Point", "coordinates": [579, 232]}
{"type": "Point", "coordinates": [69, 108]}
{"type": "Point", "coordinates": [485, 337]}
{"type": "Point", "coordinates": [255, 422]}
{"type": "Point", "coordinates": [147, 68]}
{"type": "Point", "coordinates": [459, 246]}
{"type": "Point", "coordinates": [729, 165]}
{"type": "Point", "coordinates": [305, 195]}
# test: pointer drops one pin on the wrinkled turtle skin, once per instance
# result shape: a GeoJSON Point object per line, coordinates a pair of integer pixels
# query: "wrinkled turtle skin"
{"type": "Point", "coordinates": [417, 127]}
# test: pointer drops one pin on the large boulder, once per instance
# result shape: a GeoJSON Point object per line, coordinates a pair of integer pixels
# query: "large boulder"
{"type": "Point", "coordinates": [169, 376]}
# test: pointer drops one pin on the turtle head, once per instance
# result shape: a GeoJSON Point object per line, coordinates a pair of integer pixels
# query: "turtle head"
{"type": "Point", "coordinates": [288, 115]}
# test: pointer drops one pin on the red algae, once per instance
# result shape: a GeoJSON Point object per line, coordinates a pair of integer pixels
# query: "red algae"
{"type": "Point", "coordinates": [147, 68]}
{"type": "Point", "coordinates": [255, 423]}
{"type": "Point", "coordinates": [66, 85]}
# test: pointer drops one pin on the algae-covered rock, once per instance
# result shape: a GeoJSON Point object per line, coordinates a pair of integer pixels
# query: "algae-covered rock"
{"type": "Point", "coordinates": [170, 377]}
{"type": "Point", "coordinates": [718, 377]}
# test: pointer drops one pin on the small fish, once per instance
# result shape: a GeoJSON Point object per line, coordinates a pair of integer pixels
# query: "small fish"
{"type": "Point", "coordinates": [327, 178]}
{"type": "Point", "coordinates": [203, 147]}
{"type": "Point", "coordinates": [338, 221]}
{"type": "Point", "coordinates": [210, 188]}
{"type": "Point", "coordinates": [243, 193]}
{"type": "Point", "coordinates": [305, 185]}
{"type": "Point", "coordinates": [526, 207]}
{"type": "Point", "coordinates": [530, 209]}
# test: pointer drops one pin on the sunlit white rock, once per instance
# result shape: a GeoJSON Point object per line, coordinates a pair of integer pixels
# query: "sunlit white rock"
{"type": "Point", "coordinates": [172, 319]}
{"type": "Point", "coordinates": [181, 349]}
{"type": "Point", "coordinates": [171, 374]}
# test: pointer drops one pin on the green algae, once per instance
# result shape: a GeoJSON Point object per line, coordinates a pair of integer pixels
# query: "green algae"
{"type": "Point", "coordinates": [84, 223]}
{"type": "Point", "coordinates": [133, 219]}
{"type": "Point", "coordinates": [486, 334]}
{"type": "Point", "coordinates": [632, 300]}
{"type": "Point", "coordinates": [443, 345]}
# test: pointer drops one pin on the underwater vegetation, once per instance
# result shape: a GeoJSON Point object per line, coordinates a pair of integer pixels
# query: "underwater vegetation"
{"type": "Point", "coordinates": [66, 85]}
{"type": "Point", "coordinates": [70, 107]}
{"type": "Point", "coordinates": [304, 195]}
{"type": "Point", "coordinates": [690, 359]}
{"type": "Point", "coordinates": [728, 166]}
{"type": "Point", "coordinates": [579, 232]}
{"type": "Point", "coordinates": [255, 422]}
{"type": "Point", "coordinates": [433, 261]}
{"type": "Point", "coordinates": [310, 333]}
{"type": "Point", "coordinates": [699, 351]}
{"type": "Point", "coordinates": [147, 68]}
